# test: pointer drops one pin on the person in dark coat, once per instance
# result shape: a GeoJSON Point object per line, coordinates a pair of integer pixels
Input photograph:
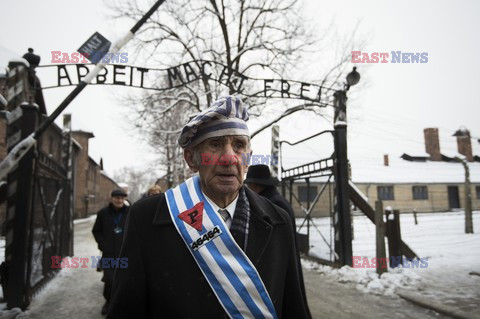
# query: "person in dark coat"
{"type": "Point", "coordinates": [260, 180]}
{"type": "Point", "coordinates": [108, 231]}
{"type": "Point", "coordinates": [166, 278]}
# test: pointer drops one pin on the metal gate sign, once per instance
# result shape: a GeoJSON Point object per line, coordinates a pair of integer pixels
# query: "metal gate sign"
{"type": "Point", "coordinates": [95, 47]}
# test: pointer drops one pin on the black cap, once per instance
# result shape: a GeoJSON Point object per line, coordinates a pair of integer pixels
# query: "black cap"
{"type": "Point", "coordinates": [260, 174]}
{"type": "Point", "coordinates": [118, 192]}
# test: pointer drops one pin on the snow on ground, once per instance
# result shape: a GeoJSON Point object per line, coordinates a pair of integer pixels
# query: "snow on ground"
{"type": "Point", "coordinates": [85, 220]}
{"type": "Point", "coordinates": [440, 237]}
{"type": "Point", "coordinates": [73, 292]}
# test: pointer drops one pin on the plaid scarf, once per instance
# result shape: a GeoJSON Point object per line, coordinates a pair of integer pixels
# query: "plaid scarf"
{"type": "Point", "coordinates": [241, 220]}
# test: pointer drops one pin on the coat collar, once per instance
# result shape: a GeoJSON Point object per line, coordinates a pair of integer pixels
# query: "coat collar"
{"type": "Point", "coordinates": [263, 218]}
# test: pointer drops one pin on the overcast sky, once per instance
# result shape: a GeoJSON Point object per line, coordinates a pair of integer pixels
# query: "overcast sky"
{"type": "Point", "coordinates": [387, 111]}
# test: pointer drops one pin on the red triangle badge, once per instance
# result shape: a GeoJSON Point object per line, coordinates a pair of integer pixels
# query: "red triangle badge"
{"type": "Point", "coordinates": [193, 216]}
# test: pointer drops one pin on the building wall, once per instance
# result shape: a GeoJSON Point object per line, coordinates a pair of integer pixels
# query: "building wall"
{"type": "Point", "coordinates": [92, 186]}
{"type": "Point", "coordinates": [106, 185]}
{"type": "Point", "coordinates": [437, 197]}
{"type": "Point", "coordinates": [323, 207]}
{"type": "Point", "coordinates": [99, 187]}
{"type": "Point", "coordinates": [81, 204]}
{"type": "Point", "coordinates": [403, 198]}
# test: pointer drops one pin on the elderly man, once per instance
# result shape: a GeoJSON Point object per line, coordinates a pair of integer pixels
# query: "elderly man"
{"type": "Point", "coordinates": [108, 233]}
{"type": "Point", "coordinates": [210, 248]}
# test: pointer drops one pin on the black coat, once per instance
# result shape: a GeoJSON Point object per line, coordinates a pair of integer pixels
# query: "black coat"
{"type": "Point", "coordinates": [275, 197]}
{"type": "Point", "coordinates": [103, 230]}
{"type": "Point", "coordinates": [162, 279]}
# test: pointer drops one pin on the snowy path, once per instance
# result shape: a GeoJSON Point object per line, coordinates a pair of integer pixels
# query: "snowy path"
{"type": "Point", "coordinates": [328, 298]}
{"type": "Point", "coordinates": [76, 292]}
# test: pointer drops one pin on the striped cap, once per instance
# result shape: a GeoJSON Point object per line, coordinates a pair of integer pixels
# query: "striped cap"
{"type": "Point", "coordinates": [226, 116]}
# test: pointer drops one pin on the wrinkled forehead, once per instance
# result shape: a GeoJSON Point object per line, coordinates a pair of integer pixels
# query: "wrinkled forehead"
{"type": "Point", "coordinates": [227, 139]}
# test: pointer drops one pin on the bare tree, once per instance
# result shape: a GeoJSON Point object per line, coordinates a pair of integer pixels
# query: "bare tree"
{"type": "Point", "coordinates": [252, 38]}
{"type": "Point", "coordinates": [249, 37]}
{"type": "Point", "coordinates": [138, 181]}
{"type": "Point", "coordinates": [160, 115]}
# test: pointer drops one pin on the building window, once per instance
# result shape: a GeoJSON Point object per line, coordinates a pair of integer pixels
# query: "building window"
{"type": "Point", "coordinates": [478, 191]}
{"type": "Point", "coordinates": [420, 192]}
{"type": "Point", "coordinates": [385, 193]}
{"type": "Point", "coordinates": [302, 193]}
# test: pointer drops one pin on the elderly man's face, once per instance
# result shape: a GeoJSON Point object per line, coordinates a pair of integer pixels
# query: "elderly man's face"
{"type": "Point", "coordinates": [222, 178]}
{"type": "Point", "coordinates": [117, 201]}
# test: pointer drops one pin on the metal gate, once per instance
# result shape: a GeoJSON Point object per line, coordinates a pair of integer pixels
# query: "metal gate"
{"type": "Point", "coordinates": [337, 236]}
{"type": "Point", "coordinates": [39, 221]}
{"type": "Point", "coordinates": [322, 172]}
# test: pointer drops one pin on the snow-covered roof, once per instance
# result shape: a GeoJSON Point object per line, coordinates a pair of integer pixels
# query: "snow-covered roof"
{"type": "Point", "coordinates": [402, 171]}
{"type": "Point", "coordinates": [6, 56]}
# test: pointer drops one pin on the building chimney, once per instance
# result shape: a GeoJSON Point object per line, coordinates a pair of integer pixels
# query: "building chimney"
{"type": "Point", "coordinates": [82, 138]}
{"type": "Point", "coordinates": [464, 144]}
{"type": "Point", "coordinates": [432, 143]}
{"type": "Point", "coordinates": [385, 160]}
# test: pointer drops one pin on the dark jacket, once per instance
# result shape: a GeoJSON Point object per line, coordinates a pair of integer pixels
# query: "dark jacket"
{"type": "Point", "coordinates": [275, 197]}
{"type": "Point", "coordinates": [162, 279]}
{"type": "Point", "coordinates": [108, 241]}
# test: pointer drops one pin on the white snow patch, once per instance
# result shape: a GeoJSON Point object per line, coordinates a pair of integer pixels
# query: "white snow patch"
{"type": "Point", "coordinates": [85, 220]}
{"type": "Point", "coordinates": [440, 237]}
{"type": "Point", "coordinates": [367, 280]}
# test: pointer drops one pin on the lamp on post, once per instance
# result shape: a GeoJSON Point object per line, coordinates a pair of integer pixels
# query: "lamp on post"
{"type": "Point", "coordinates": [343, 227]}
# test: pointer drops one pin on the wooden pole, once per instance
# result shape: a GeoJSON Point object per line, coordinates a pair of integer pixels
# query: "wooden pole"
{"type": "Point", "coordinates": [380, 243]}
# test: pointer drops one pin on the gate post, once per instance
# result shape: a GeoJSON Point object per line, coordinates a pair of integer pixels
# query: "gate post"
{"type": "Point", "coordinates": [20, 192]}
{"type": "Point", "coordinates": [275, 150]}
{"type": "Point", "coordinates": [66, 242]}
{"type": "Point", "coordinates": [343, 227]}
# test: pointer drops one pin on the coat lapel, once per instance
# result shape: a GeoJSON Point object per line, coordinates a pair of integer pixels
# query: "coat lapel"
{"type": "Point", "coordinates": [260, 229]}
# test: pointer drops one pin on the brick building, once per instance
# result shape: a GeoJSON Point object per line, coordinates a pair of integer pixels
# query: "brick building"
{"type": "Point", "coordinates": [92, 186]}
{"type": "Point", "coordinates": [429, 182]}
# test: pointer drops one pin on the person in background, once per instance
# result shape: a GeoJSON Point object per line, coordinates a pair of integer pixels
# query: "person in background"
{"type": "Point", "coordinates": [124, 187]}
{"type": "Point", "coordinates": [260, 180]}
{"type": "Point", "coordinates": [154, 189]}
{"type": "Point", "coordinates": [108, 231]}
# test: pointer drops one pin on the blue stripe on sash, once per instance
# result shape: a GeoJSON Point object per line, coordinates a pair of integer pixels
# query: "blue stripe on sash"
{"type": "Point", "coordinates": [217, 287]}
{"type": "Point", "coordinates": [232, 246]}
{"type": "Point", "coordinates": [223, 264]}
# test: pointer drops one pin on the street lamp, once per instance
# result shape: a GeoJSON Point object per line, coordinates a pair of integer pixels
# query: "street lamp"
{"type": "Point", "coordinates": [352, 78]}
{"type": "Point", "coordinates": [340, 97]}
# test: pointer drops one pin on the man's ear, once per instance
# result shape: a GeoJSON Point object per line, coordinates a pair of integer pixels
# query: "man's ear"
{"type": "Point", "coordinates": [188, 156]}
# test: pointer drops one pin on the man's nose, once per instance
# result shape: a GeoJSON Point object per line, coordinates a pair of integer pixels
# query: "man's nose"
{"type": "Point", "coordinates": [229, 154]}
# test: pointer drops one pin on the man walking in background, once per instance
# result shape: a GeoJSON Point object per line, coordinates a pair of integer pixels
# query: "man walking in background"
{"type": "Point", "coordinates": [260, 180]}
{"type": "Point", "coordinates": [108, 232]}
